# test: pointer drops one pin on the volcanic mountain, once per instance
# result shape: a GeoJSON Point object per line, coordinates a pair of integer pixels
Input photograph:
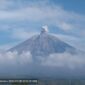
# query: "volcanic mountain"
{"type": "Point", "coordinates": [43, 44]}
{"type": "Point", "coordinates": [50, 58]}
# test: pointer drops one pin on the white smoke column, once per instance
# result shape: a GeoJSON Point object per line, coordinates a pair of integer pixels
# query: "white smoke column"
{"type": "Point", "coordinates": [45, 28]}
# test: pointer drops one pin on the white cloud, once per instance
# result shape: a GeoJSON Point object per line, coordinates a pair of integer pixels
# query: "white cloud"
{"type": "Point", "coordinates": [65, 26]}
{"type": "Point", "coordinates": [13, 58]}
{"type": "Point", "coordinates": [65, 60]}
{"type": "Point", "coordinates": [56, 15]}
{"type": "Point", "coordinates": [21, 34]}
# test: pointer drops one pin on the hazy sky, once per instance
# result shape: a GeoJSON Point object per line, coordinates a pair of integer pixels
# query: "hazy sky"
{"type": "Point", "coordinates": [20, 19]}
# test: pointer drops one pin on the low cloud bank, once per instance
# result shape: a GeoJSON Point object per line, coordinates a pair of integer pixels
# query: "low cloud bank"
{"type": "Point", "coordinates": [15, 58]}
{"type": "Point", "coordinates": [53, 60]}
{"type": "Point", "coordinates": [65, 60]}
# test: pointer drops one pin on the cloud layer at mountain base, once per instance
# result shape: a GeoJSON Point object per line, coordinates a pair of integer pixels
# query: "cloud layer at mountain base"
{"type": "Point", "coordinates": [65, 59]}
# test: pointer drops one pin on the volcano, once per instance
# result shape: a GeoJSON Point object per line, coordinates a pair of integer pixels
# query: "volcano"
{"type": "Point", "coordinates": [50, 58]}
{"type": "Point", "coordinates": [43, 44]}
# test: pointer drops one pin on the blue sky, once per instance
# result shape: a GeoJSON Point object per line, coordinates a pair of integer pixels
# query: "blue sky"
{"type": "Point", "coordinates": [20, 19]}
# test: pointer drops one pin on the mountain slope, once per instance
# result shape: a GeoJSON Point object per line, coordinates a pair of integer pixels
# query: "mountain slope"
{"type": "Point", "coordinates": [43, 44]}
{"type": "Point", "coordinates": [51, 58]}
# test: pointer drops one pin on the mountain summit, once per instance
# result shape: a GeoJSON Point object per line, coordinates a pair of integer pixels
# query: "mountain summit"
{"type": "Point", "coordinates": [46, 57]}
{"type": "Point", "coordinates": [43, 44]}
